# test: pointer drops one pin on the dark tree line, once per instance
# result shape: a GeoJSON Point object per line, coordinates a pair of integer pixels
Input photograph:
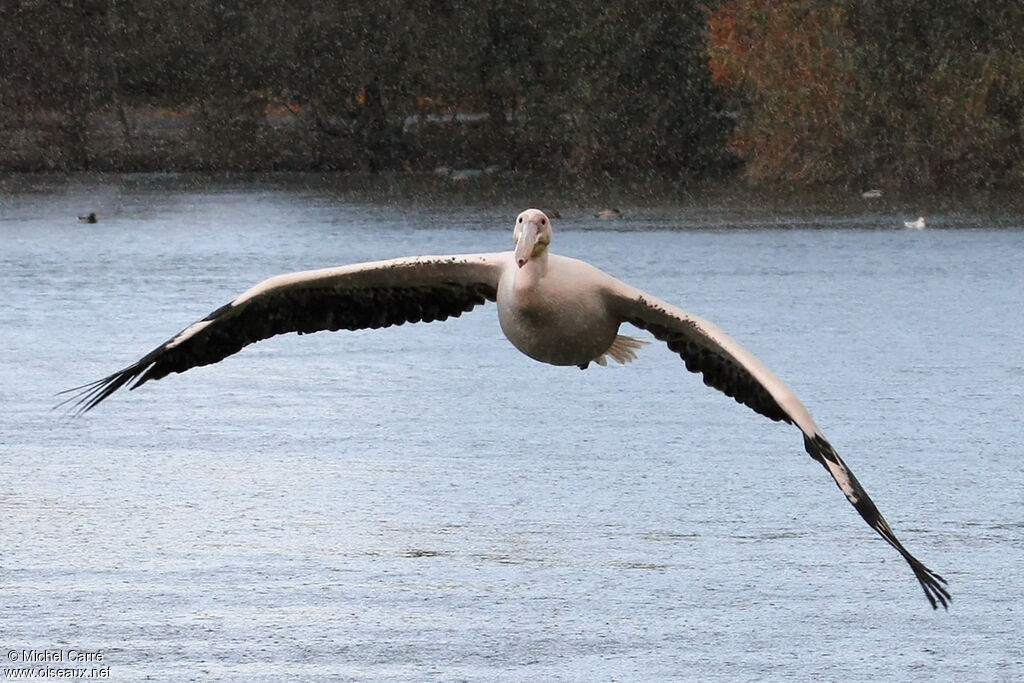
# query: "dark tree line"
{"type": "Point", "coordinates": [526, 84]}
{"type": "Point", "coordinates": [793, 91]}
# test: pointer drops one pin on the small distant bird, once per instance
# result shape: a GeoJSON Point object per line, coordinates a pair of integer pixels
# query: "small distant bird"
{"type": "Point", "coordinates": [459, 175]}
{"type": "Point", "coordinates": [88, 218]}
{"type": "Point", "coordinates": [871, 194]}
{"type": "Point", "coordinates": [915, 225]}
{"type": "Point", "coordinates": [608, 213]}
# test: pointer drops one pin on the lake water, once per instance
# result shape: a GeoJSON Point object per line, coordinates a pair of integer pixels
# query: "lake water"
{"type": "Point", "coordinates": [425, 503]}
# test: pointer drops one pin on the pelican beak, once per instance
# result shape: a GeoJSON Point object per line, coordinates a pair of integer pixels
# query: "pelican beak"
{"type": "Point", "coordinates": [527, 242]}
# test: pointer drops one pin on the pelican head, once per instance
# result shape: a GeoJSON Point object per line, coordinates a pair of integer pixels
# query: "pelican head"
{"type": "Point", "coordinates": [532, 235]}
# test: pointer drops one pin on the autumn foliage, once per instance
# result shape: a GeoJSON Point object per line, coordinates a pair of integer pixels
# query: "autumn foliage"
{"type": "Point", "coordinates": [869, 93]}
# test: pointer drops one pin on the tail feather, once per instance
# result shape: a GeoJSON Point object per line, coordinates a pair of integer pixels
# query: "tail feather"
{"type": "Point", "coordinates": [623, 350]}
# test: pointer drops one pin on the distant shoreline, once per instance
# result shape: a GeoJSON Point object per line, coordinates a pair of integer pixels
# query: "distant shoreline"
{"type": "Point", "coordinates": [512, 190]}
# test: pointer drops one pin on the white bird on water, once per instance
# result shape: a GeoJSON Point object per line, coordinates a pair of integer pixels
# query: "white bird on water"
{"type": "Point", "coordinates": [555, 309]}
{"type": "Point", "coordinates": [915, 225]}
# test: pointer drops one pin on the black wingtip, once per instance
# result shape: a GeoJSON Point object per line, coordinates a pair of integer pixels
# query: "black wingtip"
{"type": "Point", "coordinates": [87, 396]}
{"type": "Point", "coordinates": [934, 586]}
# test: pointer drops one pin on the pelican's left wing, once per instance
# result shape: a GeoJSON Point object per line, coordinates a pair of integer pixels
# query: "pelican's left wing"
{"type": "Point", "coordinates": [358, 296]}
{"type": "Point", "coordinates": [730, 368]}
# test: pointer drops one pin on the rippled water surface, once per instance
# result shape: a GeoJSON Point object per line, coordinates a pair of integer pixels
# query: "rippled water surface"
{"type": "Point", "coordinates": [424, 502]}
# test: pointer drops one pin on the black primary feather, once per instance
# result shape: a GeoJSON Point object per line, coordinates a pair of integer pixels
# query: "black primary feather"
{"type": "Point", "coordinates": [280, 311]}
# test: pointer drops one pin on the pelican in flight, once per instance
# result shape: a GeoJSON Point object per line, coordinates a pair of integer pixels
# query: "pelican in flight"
{"type": "Point", "coordinates": [555, 309]}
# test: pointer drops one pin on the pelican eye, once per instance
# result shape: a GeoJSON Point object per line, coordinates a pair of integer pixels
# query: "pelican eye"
{"type": "Point", "coordinates": [543, 221]}
{"type": "Point", "coordinates": [520, 219]}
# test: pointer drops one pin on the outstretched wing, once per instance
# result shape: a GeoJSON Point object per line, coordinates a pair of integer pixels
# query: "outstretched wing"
{"type": "Point", "coordinates": [359, 296]}
{"type": "Point", "coordinates": [730, 368]}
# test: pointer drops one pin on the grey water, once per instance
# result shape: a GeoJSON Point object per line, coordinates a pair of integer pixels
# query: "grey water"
{"type": "Point", "coordinates": [425, 503]}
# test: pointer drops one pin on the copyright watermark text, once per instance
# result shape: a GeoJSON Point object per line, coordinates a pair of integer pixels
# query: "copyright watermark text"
{"type": "Point", "coordinates": [55, 663]}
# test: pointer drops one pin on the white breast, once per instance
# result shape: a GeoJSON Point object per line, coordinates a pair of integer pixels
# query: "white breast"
{"type": "Point", "coordinates": [556, 312]}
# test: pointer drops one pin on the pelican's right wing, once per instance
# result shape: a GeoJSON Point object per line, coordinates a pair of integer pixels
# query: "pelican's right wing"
{"type": "Point", "coordinates": [358, 296]}
{"type": "Point", "coordinates": [733, 370]}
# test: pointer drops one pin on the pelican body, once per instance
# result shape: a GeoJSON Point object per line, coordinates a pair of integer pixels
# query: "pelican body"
{"type": "Point", "coordinates": [554, 309]}
{"type": "Point", "coordinates": [561, 319]}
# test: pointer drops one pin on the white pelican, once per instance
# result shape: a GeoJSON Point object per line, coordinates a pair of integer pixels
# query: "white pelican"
{"type": "Point", "coordinates": [554, 309]}
{"type": "Point", "coordinates": [871, 194]}
{"type": "Point", "coordinates": [915, 225]}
